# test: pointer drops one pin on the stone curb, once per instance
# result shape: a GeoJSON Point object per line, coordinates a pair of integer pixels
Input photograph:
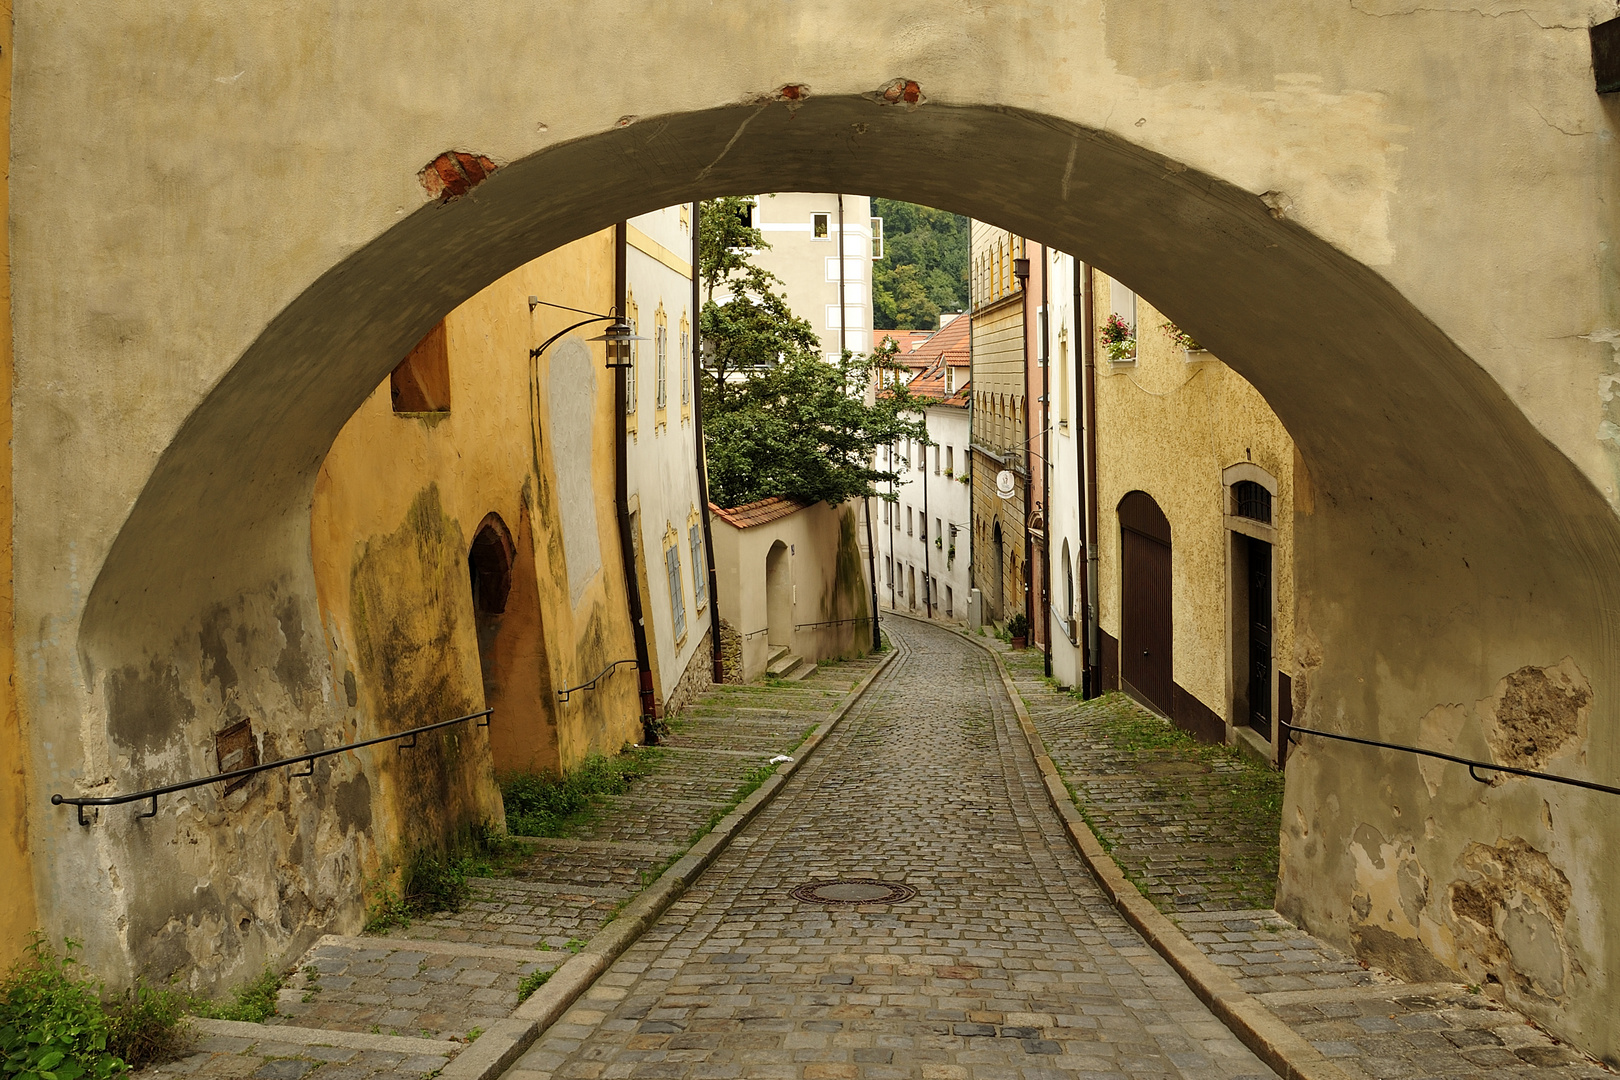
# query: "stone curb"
{"type": "Point", "coordinates": [303, 1036]}
{"type": "Point", "coordinates": [1271, 1040]}
{"type": "Point", "coordinates": [505, 1041]}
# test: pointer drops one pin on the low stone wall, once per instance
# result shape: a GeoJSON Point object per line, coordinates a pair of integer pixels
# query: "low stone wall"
{"type": "Point", "coordinates": [698, 677]}
{"type": "Point", "coordinates": [731, 652]}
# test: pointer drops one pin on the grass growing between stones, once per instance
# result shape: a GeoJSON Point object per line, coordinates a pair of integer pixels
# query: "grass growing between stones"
{"type": "Point", "coordinates": [542, 804]}
{"type": "Point", "coordinates": [1221, 790]}
{"type": "Point", "coordinates": [432, 879]}
{"type": "Point", "coordinates": [253, 1002]}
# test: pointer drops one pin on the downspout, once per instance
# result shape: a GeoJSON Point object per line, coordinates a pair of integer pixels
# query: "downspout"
{"type": "Point", "coordinates": [1029, 470]}
{"type": "Point", "coordinates": [928, 575]}
{"type": "Point", "coordinates": [621, 481]}
{"type": "Point", "coordinates": [866, 503]}
{"type": "Point", "coordinates": [842, 321]}
{"type": "Point", "coordinates": [1088, 351]}
{"type": "Point", "coordinates": [894, 523]}
{"type": "Point", "coordinates": [719, 673]}
{"type": "Point", "coordinates": [1046, 453]}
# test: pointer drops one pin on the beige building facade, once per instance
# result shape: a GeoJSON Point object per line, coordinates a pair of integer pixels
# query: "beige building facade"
{"type": "Point", "coordinates": [822, 247]}
{"type": "Point", "coordinates": [792, 583]}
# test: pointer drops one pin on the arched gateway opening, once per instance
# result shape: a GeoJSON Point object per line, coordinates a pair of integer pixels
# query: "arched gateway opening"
{"type": "Point", "coordinates": [1445, 542]}
{"type": "Point", "coordinates": [511, 647]}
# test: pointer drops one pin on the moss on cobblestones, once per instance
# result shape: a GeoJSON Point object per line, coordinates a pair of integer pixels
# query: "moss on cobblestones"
{"type": "Point", "coordinates": [1193, 826]}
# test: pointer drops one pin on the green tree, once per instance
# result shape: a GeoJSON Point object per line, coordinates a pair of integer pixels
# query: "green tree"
{"type": "Point", "coordinates": [899, 300]}
{"type": "Point", "coordinates": [778, 418]}
{"type": "Point", "coordinates": [923, 249]}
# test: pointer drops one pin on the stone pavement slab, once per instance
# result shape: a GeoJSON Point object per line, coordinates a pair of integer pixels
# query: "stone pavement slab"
{"type": "Point", "coordinates": [1197, 844]}
{"type": "Point", "coordinates": [1007, 962]}
{"type": "Point", "coordinates": [450, 976]}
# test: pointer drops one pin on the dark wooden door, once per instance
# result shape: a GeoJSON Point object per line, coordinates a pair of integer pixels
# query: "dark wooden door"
{"type": "Point", "coordinates": [1145, 656]}
{"type": "Point", "coordinates": [1259, 636]}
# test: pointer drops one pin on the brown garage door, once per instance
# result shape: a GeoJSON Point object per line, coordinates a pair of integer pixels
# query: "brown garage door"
{"type": "Point", "coordinates": [1145, 637]}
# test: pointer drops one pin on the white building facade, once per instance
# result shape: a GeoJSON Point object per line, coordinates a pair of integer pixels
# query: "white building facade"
{"type": "Point", "coordinates": [924, 534]}
{"type": "Point", "coordinates": [1073, 574]}
{"type": "Point", "coordinates": [665, 501]}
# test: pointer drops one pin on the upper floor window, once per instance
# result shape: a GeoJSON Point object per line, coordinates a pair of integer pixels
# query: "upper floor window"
{"type": "Point", "coordinates": [661, 353]}
{"type": "Point", "coordinates": [421, 382]}
{"type": "Point", "coordinates": [820, 227]}
{"type": "Point", "coordinates": [677, 590]}
{"type": "Point", "coordinates": [1250, 500]}
{"type": "Point", "coordinates": [682, 359]}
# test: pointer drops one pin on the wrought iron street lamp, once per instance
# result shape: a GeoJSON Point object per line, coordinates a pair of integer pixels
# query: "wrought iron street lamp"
{"type": "Point", "coordinates": [618, 334]}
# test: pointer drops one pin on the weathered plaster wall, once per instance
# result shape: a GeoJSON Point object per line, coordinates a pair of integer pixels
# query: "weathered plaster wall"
{"type": "Point", "coordinates": [220, 246]}
{"type": "Point", "coordinates": [395, 597]}
{"type": "Point", "coordinates": [18, 915]}
{"type": "Point", "coordinates": [1169, 427]}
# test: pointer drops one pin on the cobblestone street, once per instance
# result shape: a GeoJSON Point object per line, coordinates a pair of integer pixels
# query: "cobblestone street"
{"type": "Point", "coordinates": [1008, 962]}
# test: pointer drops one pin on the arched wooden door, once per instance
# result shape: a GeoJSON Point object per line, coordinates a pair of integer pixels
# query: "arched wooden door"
{"type": "Point", "coordinates": [1145, 640]}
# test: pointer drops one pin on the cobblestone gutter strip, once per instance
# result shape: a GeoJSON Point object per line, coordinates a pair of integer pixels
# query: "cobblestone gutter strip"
{"type": "Point", "coordinates": [1273, 1041]}
{"type": "Point", "coordinates": [499, 1046]}
{"type": "Point", "coordinates": [352, 1040]}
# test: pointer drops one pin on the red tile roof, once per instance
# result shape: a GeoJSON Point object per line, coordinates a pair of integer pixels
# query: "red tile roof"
{"type": "Point", "coordinates": [947, 348]}
{"type": "Point", "coordinates": [758, 513]}
{"type": "Point", "coordinates": [908, 340]}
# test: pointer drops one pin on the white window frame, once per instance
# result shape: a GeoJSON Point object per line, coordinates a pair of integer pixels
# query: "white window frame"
{"type": "Point", "coordinates": [825, 222]}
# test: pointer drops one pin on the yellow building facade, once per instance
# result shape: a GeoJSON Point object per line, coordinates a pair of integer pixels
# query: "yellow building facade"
{"type": "Point", "coordinates": [1000, 422]}
{"type": "Point", "coordinates": [466, 547]}
{"type": "Point", "coordinates": [1205, 586]}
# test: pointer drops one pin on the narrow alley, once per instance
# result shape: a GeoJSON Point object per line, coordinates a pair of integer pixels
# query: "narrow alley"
{"type": "Point", "coordinates": [1007, 961]}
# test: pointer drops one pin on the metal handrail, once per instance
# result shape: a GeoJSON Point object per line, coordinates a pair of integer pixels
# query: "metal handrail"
{"type": "Point", "coordinates": [169, 789]}
{"type": "Point", "coordinates": [832, 622]}
{"type": "Point", "coordinates": [752, 634]}
{"type": "Point", "coordinates": [600, 675]}
{"type": "Point", "coordinates": [1288, 729]}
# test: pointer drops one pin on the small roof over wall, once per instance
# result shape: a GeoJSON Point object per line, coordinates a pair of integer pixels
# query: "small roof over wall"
{"type": "Point", "coordinates": [762, 512]}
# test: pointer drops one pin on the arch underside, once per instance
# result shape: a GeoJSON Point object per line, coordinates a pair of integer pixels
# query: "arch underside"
{"type": "Point", "coordinates": [1443, 541]}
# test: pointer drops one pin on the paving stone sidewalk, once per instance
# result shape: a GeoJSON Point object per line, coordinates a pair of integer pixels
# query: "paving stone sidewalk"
{"type": "Point", "coordinates": [449, 976]}
{"type": "Point", "coordinates": [1008, 961]}
{"type": "Point", "coordinates": [1209, 861]}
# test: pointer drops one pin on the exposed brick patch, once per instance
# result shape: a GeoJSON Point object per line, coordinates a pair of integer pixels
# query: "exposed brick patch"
{"type": "Point", "coordinates": [899, 92]}
{"type": "Point", "coordinates": [454, 173]}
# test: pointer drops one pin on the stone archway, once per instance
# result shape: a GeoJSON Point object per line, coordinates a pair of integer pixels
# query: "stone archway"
{"type": "Point", "coordinates": [1306, 192]}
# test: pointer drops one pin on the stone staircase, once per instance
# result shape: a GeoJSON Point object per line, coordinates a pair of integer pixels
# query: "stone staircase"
{"type": "Point", "coordinates": [783, 665]}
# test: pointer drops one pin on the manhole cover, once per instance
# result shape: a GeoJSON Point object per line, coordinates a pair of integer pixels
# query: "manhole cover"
{"type": "Point", "coordinates": [853, 891]}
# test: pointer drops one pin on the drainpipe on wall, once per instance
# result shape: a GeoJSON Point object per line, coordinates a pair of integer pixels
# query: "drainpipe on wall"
{"type": "Point", "coordinates": [1046, 453]}
{"type": "Point", "coordinates": [866, 503]}
{"type": "Point", "coordinates": [719, 673]}
{"type": "Point", "coordinates": [894, 523]}
{"type": "Point", "coordinates": [1088, 482]}
{"type": "Point", "coordinates": [1029, 463]}
{"type": "Point", "coordinates": [621, 482]}
{"type": "Point", "coordinates": [928, 576]}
